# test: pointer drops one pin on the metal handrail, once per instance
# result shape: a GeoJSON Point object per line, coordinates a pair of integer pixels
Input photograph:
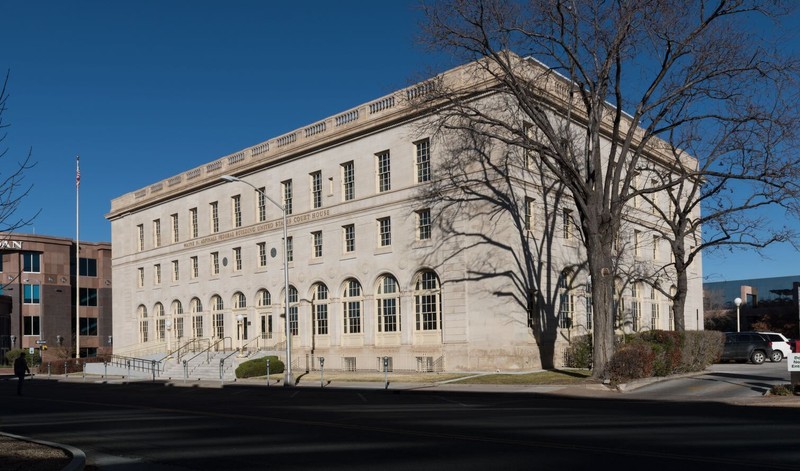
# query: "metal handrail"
{"type": "Point", "coordinates": [256, 340]}
{"type": "Point", "coordinates": [192, 345]}
{"type": "Point", "coordinates": [207, 350]}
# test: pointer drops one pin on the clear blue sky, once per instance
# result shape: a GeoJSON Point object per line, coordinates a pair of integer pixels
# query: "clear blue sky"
{"type": "Point", "coordinates": [146, 90]}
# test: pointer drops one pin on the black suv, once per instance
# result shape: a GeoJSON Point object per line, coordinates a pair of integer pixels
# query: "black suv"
{"type": "Point", "coordinates": [744, 346]}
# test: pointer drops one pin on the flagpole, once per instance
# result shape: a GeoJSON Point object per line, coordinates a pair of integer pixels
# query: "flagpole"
{"type": "Point", "coordinates": [77, 258]}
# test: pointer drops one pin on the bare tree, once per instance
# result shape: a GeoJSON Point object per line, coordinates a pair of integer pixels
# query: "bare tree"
{"type": "Point", "coordinates": [13, 188]}
{"type": "Point", "coordinates": [637, 79]}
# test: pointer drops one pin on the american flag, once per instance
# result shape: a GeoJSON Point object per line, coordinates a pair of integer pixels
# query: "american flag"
{"type": "Point", "coordinates": [77, 172]}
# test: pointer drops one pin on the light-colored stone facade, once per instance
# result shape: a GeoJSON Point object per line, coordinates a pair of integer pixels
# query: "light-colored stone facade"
{"type": "Point", "coordinates": [395, 293]}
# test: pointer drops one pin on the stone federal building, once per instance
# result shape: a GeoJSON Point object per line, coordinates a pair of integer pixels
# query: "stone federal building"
{"type": "Point", "coordinates": [196, 257]}
{"type": "Point", "coordinates": [38, 285]}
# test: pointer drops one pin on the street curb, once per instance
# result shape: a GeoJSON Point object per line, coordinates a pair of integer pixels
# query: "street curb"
{"type": "Point", "coordinates": [78, 461]}
{"type": "Point", "coordinates": [638, 383]}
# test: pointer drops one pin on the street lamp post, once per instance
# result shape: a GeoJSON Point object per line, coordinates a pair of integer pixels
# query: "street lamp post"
{"type": "Point", "coordinates": [168, 325]}
{"type": "Point", "coordinates": [737, 302]}
{"type": "Point", "coordinates": [239, 321]}
{"type": "Point", "coordinates": [288, 379]}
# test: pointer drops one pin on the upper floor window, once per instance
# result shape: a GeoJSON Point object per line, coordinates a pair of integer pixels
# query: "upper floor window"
{"type": "Point", "coordinates": [175, 226]}
{"type": "Point", "coordinates": [263, 298]}
{"type": "Point", "coordinates": [317, 244]}
{"type": "Point", "coordinates": [157, 274]}
{"type": "Point", "coordinates": [31, 294]}
{"type": "Point", "coordinates": [287, 196]}
{"type": "Point", "coordinates": [239, 300]}
{"type": "Point", "coordinates": [290, 249]}
{"type": "Point", "coordinates": [157, 233]}
{"type": "Point", "coordinates": [423, 160]}
{"type": "Point", "coordinates": [528, 213]}
{"type": "Point", "coordinates": [424, 224]}
{"type": "Point", "coordinates": [140, 277]}
{"type": "Point", "coordinates": [236, 203]}
{"type": "Point", "coordinates": [88, 296]}
{"type": "Point", "coordinates": [237, 258]}
{"type": "Point", "coordinates": [384, 172]}
{"type": "Point", "coordinates": [87, 267]}
{"type": "Point", "coordinates": [384, 232]}
{"type": "Point", "coordinates": [262, 254]}
{"type": "Point", "coordinates": [175, 271]}
{"type": "Point", "coordinates": [140, 237]}
{"type": "Point", "coordinates": [316, 189]}
{"type": "Point", "coordinates": [214, 217]}
{"type": "Point", "coordinates": [215, 263]}
{"type": "Point", "coordinates": [349, 236]}
{"type": "Point", "coordinates": [195, 266]}
{"type": "Point", "coordinates": [262, 205]}
{"type": "Point", "coordinates": [348, 181]}
{"type": "Point", "coordinates": [193, 222]}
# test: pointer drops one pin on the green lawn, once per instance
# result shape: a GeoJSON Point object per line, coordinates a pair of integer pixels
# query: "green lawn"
{"type": "Point", "coordinates": [543, 377]}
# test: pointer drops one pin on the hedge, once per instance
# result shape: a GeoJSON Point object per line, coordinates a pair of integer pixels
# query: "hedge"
{"type": "Point", "coordinates": [258, 367]}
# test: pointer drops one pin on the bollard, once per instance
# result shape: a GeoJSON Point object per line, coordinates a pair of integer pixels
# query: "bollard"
{"type": "Point", "coordinates": [65, 369]}
{"type": "Point", "coordinates": [129, 368]}
{"type": "Point", "coordinates": [267, 372]}
{"type": "Point", "coordinates": [322, 372]}
{"type": "Point", "coordinates": [153, 369]}
{"type": "Point", "coordinates": [105, 370]}
{"type": "Point", "coordinates": [185, 371]}
{"type": "Point", "coordinates": [84, 372]}
{"type": "Point", "coordinates": [48, 370]}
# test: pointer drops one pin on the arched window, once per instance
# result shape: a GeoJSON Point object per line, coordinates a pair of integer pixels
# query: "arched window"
{"type": "Point", "coordinates": [263, 298]}
{"type": "Point", "coordinates": [293, 300]}
{"type": "Point", "coordinates": [319, 307]}
{"type": "Point", "coordinates": [196, 307]}
{"type": "Point", "coordinates": [158, 311]}
{"type": "Point", "coordinates": [388, 304]}
{"type": "Point", "coordinates": [216, 303]}
{"type": "Point", "coordinates": [217, 317]}
{"type": "Point", "coordinates": [177, 313]}
{"type": "Point", "coordinates": [352, 303]}
{"type": "Point", "coordinates": [427, 301]}
{"type": "Point", "coordinates": [143, 328]}
{"type": "Point", "coordinates": [239, 300]}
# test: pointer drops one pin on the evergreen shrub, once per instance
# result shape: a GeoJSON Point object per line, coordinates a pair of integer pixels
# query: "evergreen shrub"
{"type": "Point", "coordinates": [258, 367]}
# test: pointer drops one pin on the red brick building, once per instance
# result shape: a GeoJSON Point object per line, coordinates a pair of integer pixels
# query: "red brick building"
{"type": "Point", "coordinates": [39, 288]}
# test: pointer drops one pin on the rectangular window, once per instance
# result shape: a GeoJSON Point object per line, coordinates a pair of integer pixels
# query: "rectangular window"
{"type": "Point", "coordinates": [349, 236]}
{"type": "Point", "coordinates": [656, 241]}
{"type": "Point", "coordinates": [352, 317]}
{"type": "Point", "coordinates": [566, 224]}
{"type": "Point", "coordinates": [215, 263]}
{"type": "Point", "coordinates": [316, 189]}
{"type": "Point", "coordinates": [193, 226]}
{"type": "Point", "coordinates": [237, 259]}
{"type": "Point", "coordinates": [262, 254]}
{"type": "Point", "coordinates": [287, 196]}
{"type": "Point", "coordinates": [384, 232]}
{"type": "Point", "coordinates": [87, 267]}
{"type": "Point", "coordinates": [387, 315]}
{"type": "Point", "coordinates": [290, 249]}
{"type": "Point", "coordinates": [384, 172]}
{"type": "Point", "coordinates": [179, 327]}
{"type": "Point", "coordinates": [214, 217]}
{"type": "Point", "coordinates": [423, 161]}
{"type": "Point", "coordinates": [528, 213]}
{"type": "Point", "coordinates": [195, 267]}
{"type": "Point", "coordinates": [175, 225]}
{"type": "Point", "coordinates": [157, 274]}
{"type": "Point", "coordinates": [88, 296]}
{"type": "Point", "coordinates": [348, 181]}
{"type": "Point", "coordinates": [31, 294]}
{"type": "Point", "coordinates": [424, 224]}
{"type": "Point", "coordinates": [321, 316]}
{"type": "Point", "coordinates": [637, 243]}
{"type": "Point", "coordinates": [175, 271]}
{"type": "Point", "coordinates": [262, 205]}
{"type": "Point", "coordinates": [140, 237]}
{"type": "Point", "coordinates": [316, 238]}
{"type": "Point", "coordinates": [31, 262]}
{"type": "Point", "coordinates": [88, 326]}
{"type": "Point", "coordinates": [140, 277]}
{"type": "Point", "coordinates": [655, 308]}
{"type": "Point", "coordinates": [236, 203]}
{"type": "Point", "coordinates": [31, 325]}
{"type": "Point", "coordinates": [157, 233]}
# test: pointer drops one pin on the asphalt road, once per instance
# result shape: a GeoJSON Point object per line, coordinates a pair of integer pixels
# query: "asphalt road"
{"type": "Point", "coordinates": [159, 427]}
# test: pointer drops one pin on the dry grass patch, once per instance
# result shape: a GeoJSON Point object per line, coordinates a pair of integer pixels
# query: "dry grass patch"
{"type": "Point", "coordinates": [556, 377]}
